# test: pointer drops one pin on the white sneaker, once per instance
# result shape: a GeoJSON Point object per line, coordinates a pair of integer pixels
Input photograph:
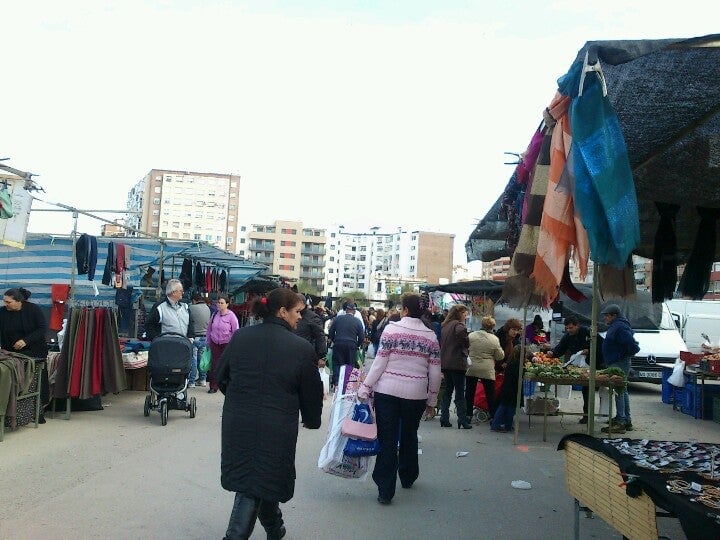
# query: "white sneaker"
{"type": "Point", "coordinates": [191, 385]}
{"type": "Point", "coordinates": [202, 383]}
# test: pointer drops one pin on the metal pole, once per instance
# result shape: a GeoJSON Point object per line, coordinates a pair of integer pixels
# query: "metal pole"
{"type": "Point", "coordinates": [593, 352]}
{"type": "Point", "coordinates": [73, 263]}
{"type": "Point", "coordinates": [516, 421]}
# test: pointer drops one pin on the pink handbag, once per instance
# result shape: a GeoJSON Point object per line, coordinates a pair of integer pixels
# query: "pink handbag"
{"type": "Point", "coordinates": [362, 425]}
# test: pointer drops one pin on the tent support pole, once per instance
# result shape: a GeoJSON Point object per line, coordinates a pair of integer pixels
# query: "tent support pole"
{"type": "Point", "coordinates": [521, 368]}
{"type": "Point", "coordinates": [593, 352]}
{"type": "Point", "coordinates": [73, 263]}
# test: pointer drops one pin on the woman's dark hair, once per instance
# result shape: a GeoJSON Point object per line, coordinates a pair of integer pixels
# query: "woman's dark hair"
{"type": "Point", "coordinates": [19, 294]}
{"type": "Point", "coordinates": [276, 299]}
{"type": "Point", "coordinates": [455, 313]}
{"type": "Point", "coordinates": [224, 297]}
{"type": "Point", "coordinates": [411, 302]}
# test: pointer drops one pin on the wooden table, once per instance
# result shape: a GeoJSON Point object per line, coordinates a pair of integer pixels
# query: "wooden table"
{"type": "Point", "coordinates": [547, 381]}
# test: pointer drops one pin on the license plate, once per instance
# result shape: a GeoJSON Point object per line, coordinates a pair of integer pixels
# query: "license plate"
{"type": "Point", "coordinates": [650, 374]}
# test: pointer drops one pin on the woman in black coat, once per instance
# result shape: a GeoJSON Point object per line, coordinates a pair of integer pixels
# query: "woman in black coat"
{"type": "Point", "coordinates": [22, 329]}
{"type": "Point", "coordinates": [268, 374]}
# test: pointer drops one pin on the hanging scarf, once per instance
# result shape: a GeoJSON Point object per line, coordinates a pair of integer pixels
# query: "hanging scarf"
{"type": "Point", "coordinates": [695, 280]}
{"type": "Point", "coordinates": [604, 188]}
{"type": "Point", "coordinates": [664, 265]}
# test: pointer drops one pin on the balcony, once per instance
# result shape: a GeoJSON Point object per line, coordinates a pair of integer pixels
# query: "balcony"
{"type": "Point", "coordinates": [263, 260]}
{"type": "Point", "coordinates": [311, 274]}
{"type": "Point", "coordinates": [262, 246]}
{"type": "Point", "coordinates": [312, 250]}
{"type": "Point", "coordinates": [305, 261]}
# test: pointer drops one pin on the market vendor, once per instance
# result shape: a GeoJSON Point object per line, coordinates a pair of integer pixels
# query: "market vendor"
{"type": "Point", "coordinates": [22, 329]}
{"type": "Point", "coordinates": [576, 339]}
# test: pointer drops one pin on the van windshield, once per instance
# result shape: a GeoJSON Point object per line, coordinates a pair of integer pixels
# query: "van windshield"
{"type": "Point", "coordinates": [666, 320]}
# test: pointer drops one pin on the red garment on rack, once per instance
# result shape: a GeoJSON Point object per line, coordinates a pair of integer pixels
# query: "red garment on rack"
{"type": "Point", "coordinates": [78, 354]}
{"type": "Point", "coordinates": [96, 381]}
{"type": "Point", "coordinates": [59, 295]}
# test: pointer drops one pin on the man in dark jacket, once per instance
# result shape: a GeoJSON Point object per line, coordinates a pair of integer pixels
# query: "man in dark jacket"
{"type": "Point", "coordinates": [618, 349]}
{"type": "Point", "coordinates": [347, 334]}
{"type": "Point", "coordinates": [577, 339]}
{"type": "Point", "coordinates": [310, 327]}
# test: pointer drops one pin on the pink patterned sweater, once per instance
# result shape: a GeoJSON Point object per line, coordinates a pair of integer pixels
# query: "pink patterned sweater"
{"type": "Point", "coordinates": [407, 363]}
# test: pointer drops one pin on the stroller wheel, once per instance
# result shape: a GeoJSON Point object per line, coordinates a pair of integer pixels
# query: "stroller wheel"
{"type": "Point", "coordinates": [192, 407]}
{"type": "Point", "coordinates": [146, 408]}
{"type": "Point", "coordinates": [163, 412]}
{"type": "Point", "coordinates": [480, 416]}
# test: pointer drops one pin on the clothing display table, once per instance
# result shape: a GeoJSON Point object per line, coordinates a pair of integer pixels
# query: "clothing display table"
{"type": "Point", "coordinates": [550, 381]}
{"type": "Point", "coordinates": [28, 403]}
{"type": "Point", "coordinates": [624, 480]}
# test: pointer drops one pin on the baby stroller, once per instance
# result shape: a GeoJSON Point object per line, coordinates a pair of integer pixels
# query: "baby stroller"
{"type": "Point", "coordinates": [168, 364]}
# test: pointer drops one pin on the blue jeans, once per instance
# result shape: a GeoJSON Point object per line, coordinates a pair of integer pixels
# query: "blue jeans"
{"type": "Point", "coordinates": [503, 417]}
{"type": "Point", "coordinates": [622, 400]}
{"type": "Point", "coordinates": [199, 344]}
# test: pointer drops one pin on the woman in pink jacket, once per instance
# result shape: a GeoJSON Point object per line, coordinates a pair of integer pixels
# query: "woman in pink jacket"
{"type": "Point", "coordinates": [221, 328]}
{"type": "Point", "coordinates": [405, 378]}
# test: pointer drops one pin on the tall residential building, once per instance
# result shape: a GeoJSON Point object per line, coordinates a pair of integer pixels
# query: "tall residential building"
{"type": "Point", "coordinates": [293, 251]}
{"type": "Point", "coordinates": [187, 206]}
{"type": "Point", "coordinates": [336, 262]}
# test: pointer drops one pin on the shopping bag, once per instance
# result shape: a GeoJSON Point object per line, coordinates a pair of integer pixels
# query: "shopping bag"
{"type": "Point", "coordinates": [677, 377]}
{"type": "Point", "coordinates": [325, 378]}
{"type": "Point", "coordinates": [362, 424]}
{"type": "Point", "coordinates": [357, 448]}
{"type": "Point", "coordinates": [332, 459]}
{"type": "Point", "coordinates": [205, 360]}
{"type": "Point", "coordinates": [370, 353]}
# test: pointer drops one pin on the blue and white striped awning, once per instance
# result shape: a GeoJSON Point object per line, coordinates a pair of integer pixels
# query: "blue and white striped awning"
{"type": "Point", "coordinates": [47, 260]}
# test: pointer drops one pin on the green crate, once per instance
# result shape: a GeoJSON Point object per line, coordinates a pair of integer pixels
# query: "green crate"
{"type": "Point", "coordinates": [716, 409]}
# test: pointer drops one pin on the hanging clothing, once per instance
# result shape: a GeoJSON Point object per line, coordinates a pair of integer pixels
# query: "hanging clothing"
{"type": "Point", "coordinates": [199, 276]}
{"type": "Point", "coordinates": [222, 281]}
{"type": "Point", "coordinates": [59, 294]}
{"type": "Point", "coordinates": [186, 273]}
{"type": "Point", "coordinates": [109, 270]}
{"type": "Point", "coordinates": [86, 255]}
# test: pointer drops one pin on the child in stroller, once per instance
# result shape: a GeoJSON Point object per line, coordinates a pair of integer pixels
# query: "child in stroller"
{"type": "Point", "coordinates": [169, 361]}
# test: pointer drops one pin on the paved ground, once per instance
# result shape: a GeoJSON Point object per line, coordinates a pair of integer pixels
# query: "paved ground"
{"type": "Point", "coordinates": [115, 474]}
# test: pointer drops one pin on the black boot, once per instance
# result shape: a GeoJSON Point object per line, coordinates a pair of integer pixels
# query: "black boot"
{"type": "Point", "coordinates": [271, 519]}
{"type": "Point", "coordinates": [242, 518]}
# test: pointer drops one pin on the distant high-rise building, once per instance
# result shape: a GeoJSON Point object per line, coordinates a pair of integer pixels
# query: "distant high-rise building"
{"type": "Point", "coordinates": [187, 206]}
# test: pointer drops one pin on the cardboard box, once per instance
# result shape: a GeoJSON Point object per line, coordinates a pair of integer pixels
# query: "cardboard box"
{"type": "Point", "coordinates": [539, 405]}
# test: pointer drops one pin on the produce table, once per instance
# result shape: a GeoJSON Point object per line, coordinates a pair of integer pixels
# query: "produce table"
{"type": "Point", "coordinates": [547, 381]}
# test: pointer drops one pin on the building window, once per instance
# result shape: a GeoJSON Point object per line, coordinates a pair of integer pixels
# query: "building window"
{"type": "Point", "coordinates": [243, 228]}
{"type": "Point", "coordinates": [158, 189]}
{"type": "Point", "coordinates": [230, 228]}
{"type": "Point", "coordinates": [155, 224]}
{"type": "Point", "coordinates": [176, 224]}
{"type": "Point", "coordinates": [288, 243]}
{"type": "Point", "coordinates": [286, 267]}
{"type": "Point", "coordinates": [233, 184]}
{"type": "Point", "coordinates": [229, 240]}
{"type": "Point", "coordinates": [156, 200]}
{"type": "Point", "coordinates": [288, 231]}
{"type": "Point", "coordinates": [242, 240]}
{"type": "Point", "coordinates": [331, 282]}
{"type": "Point", "coordinates": [156, 212]}
{"type": "Point", "coordinates": [196, 237]}
{"type": "Point", "coordinates": [287, 255]}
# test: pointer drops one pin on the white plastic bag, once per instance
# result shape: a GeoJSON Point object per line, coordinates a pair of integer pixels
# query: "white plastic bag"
{"type": "Point", "coordinates": [677, 378]}
{"type": "Point", "coordinates": [325, 378]}
{"type": "Point", "coordinates": [578, 359]}
{"type": "Point", "coordinates": [370, 353]}
{"type": "Point", "coordinates": [332, 459]}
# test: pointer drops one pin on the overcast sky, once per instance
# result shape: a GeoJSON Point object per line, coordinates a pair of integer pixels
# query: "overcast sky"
{"type": "Point", "coordinates": [389, 113]}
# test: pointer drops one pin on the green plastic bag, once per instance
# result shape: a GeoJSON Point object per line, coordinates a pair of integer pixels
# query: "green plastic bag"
{"type": "Point", "coordinates": [205, 360]}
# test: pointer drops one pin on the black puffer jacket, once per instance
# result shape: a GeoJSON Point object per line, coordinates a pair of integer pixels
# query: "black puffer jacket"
{"type": "Point", "coordinates": [267, 374]}
{"type": "Point", "coordinates": [310, 328]}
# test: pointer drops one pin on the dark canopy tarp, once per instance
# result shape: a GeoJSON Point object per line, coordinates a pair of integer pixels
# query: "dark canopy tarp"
{"type": "Point", "coordinates": [477, 288]}
{"type": "Point", "coordinates": [667, 98]}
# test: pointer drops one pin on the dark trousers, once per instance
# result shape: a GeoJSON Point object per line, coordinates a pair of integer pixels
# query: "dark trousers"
{"type": "Point", "coordinates": [471, 387]}
{"type": "Point", "coordinates": [344, 353]}
{"type": "Point", "coordinates": [246, 510]}
{"type": "Point", "coordinates": [397, 419]}
{"type": "Point", "coordinates": [454, 383]}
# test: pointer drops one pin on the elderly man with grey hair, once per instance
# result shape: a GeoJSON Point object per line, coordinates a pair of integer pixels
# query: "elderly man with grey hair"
{"type": "Point", "coordinates": [170, 314]}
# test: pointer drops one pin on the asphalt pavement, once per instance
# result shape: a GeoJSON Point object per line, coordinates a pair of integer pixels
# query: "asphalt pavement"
{"type": "Point", "coordinates": [115, 474]}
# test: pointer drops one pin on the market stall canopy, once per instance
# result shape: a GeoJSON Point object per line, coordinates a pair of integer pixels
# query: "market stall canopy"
{"type": "Point", "coordinates": [666, 94]}
{"type": "Point", "coordinates": [47, 260]}
{"type": "Point", "coordinates": [474, 288]}
{"type": "Point", "coordinates": [258, 285]}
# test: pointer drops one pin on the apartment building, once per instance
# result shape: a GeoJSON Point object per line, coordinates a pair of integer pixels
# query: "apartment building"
{"type": "Point", "coordinates": [187, 206]}
{"type": "Point", "coordinates": [291, 250]}
{"type": "Point", "coordinates": [335, 261]}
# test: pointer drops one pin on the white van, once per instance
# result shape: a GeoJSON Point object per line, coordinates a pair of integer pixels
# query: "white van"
{"type": "Point", "coordinates": [698, 321]}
